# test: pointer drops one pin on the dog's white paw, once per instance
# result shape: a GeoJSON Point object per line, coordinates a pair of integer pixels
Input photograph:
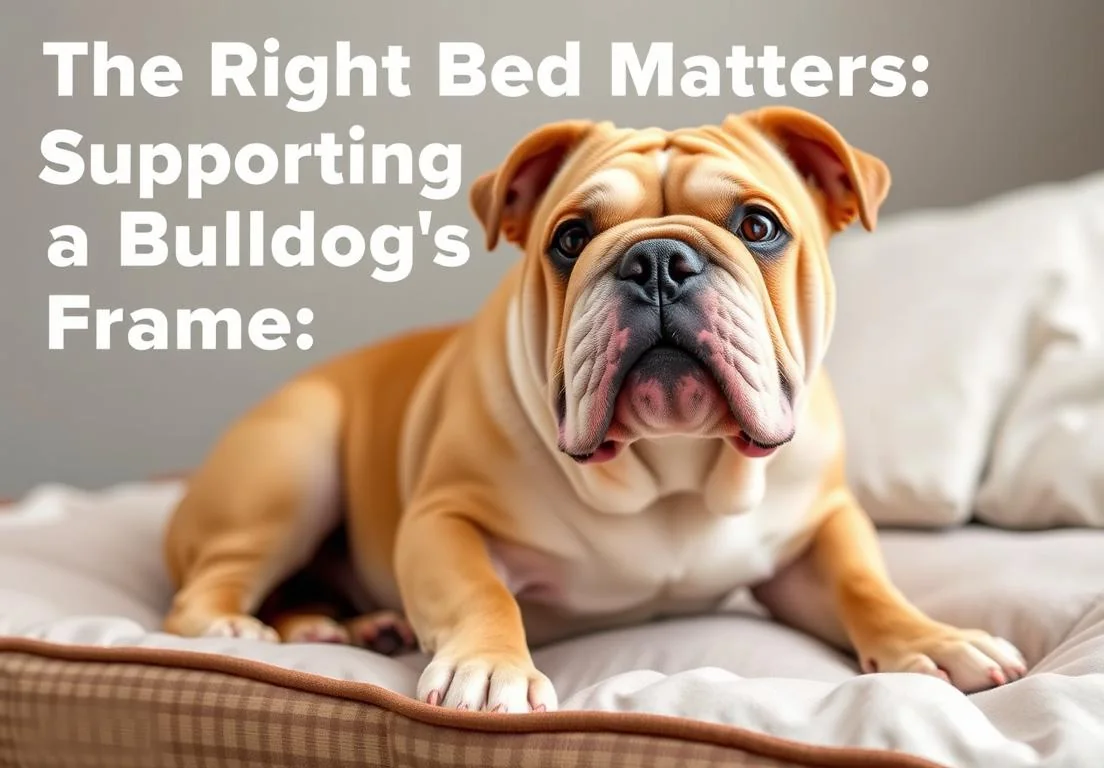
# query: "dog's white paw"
{"type": "Point", "coordinates": [488, 683]}
{"type": "Point", "coordinates": [246, 627]}
{"type": "Point", "coordinates": [971, 660]}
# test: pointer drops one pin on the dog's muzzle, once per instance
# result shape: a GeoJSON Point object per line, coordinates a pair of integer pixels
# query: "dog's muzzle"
{"type": "Point", "coordinates": [675, 348]}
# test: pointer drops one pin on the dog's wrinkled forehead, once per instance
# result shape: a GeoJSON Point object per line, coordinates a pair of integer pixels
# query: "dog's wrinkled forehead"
{"type": "Point", "coordinates": [702, 173]}
{"type": "Point", "coordinates": [619, 172]}
{"type": "Point", "coordinates": [614, 187]}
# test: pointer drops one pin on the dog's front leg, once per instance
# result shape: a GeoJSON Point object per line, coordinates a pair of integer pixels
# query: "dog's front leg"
{"type": "Point", "coordinates": [464, 615]}
{"type": "Point", "coordinates": [839, 590]}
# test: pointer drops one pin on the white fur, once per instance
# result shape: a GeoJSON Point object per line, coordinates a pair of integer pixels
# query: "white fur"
{"type": "Point", "coordinates": [663, 158]}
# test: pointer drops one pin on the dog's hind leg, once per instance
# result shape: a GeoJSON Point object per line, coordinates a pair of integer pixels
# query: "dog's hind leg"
{"type": "Point", "coordinates": [256, 511]}
{"type": "Point", "coordinates": [310, 605]}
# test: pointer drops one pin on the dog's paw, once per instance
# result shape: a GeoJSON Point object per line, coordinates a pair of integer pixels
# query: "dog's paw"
{"type": "Point", "coordinates": [969, 659]}
{"type": "Point", "coordinates": [311, 628]}
{"type": "Point", "coordinates": [488, 683]}
{"type": "Point", "coordinates": [384, 632]}
{"type": "Point", "coordinates": [246, 627]}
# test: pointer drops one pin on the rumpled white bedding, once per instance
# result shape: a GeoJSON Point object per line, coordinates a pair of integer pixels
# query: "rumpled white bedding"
{"type": "Point", "coordinates": [85, 568]}
{"type": "Point", "coordinates": [968, 359]}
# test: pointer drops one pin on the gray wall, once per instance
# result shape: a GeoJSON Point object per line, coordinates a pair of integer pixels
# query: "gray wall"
{"type": "Point", "coordinates": [1015, 97]}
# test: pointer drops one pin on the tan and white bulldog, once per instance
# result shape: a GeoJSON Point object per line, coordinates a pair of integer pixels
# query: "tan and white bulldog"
{"type": "Point", "coordinates": [635, 425]}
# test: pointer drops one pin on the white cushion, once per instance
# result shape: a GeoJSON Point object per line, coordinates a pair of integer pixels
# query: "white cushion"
{"type": "Point", "coordinates": [1048, 460]}
{"type": "Point", "coordinates": [941, 314]}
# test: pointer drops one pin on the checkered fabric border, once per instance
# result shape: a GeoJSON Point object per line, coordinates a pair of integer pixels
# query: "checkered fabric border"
{"type": "Point", "coordinates": [76, 707]}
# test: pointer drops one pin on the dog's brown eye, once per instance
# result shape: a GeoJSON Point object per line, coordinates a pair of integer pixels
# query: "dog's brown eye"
{"type": "Point", "coordinates": [571, 238]}
{"type": "Point", "coordinates": [758, 227]}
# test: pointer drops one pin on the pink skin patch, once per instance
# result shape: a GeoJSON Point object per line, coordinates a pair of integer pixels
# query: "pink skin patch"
{"type": "Point", "coordinates": [663, 404]}
{"type": "Point", "coordinates": [615, 349]}
{"type": "Point", "coordinates": [605, 451]}
{"type": "Point", "coordinates": [753, 450]}
{"type": "Point", "coordinates": [606, 367]}
{"type": "Point", "coordinates": [725, 340]}
{"type": "Point", "coordinates": [741, 357]}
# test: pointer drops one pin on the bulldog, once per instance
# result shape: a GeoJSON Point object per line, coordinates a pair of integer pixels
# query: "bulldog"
{"type": "Point", "coordinates": [636, 424]}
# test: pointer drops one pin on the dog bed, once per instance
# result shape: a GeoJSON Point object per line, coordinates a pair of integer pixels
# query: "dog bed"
{"type": "Point", "coordinates": [86, 679]}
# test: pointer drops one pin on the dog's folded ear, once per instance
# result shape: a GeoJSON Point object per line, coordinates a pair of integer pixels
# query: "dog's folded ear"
{"type": "Point", "coordinates": [504, 199]}
{"type": "Point", "coordinates": [850, 182]}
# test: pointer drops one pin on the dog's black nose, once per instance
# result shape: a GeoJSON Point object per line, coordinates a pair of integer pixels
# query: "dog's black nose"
{"type": "Point", "coordinates": [661, 268]}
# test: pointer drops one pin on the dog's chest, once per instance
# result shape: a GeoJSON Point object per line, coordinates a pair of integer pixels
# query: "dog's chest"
{"type": "Point", "coordinates": [673, 557]}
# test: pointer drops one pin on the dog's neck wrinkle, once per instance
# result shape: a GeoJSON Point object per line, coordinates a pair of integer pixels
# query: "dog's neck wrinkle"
{"type": "Point", "coordinates": [678, 464]}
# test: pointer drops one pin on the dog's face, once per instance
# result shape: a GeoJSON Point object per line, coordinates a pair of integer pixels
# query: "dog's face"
{"type": "Point", "coordinates": [677, 282]}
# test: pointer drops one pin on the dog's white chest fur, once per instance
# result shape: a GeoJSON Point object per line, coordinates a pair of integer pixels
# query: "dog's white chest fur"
{"type": "Point", "coordinates": [674, 556]}
{"type": "Point", "coordinates": [676, 552]}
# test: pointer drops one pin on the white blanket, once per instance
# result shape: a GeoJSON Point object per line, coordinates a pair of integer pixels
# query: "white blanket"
{"type": "Point", "coordinates": [85, 568]}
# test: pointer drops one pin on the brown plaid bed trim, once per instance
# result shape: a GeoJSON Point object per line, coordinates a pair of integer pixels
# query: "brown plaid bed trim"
{"type": "Point", "coordinates": [87, 707]}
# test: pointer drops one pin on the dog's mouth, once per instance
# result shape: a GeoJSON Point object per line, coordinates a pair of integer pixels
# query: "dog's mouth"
{"type": "Point", "coordinates": [668, 389]}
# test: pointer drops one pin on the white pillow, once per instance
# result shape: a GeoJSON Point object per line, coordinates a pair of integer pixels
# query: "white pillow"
{"type": "Point", "coordinates": [940, 314]}
{"type": "Point", "coordinates": [1047, 467]}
